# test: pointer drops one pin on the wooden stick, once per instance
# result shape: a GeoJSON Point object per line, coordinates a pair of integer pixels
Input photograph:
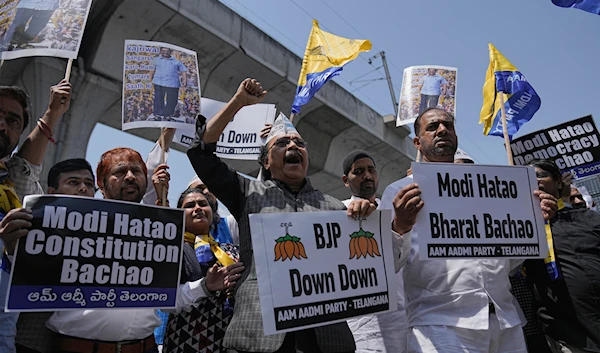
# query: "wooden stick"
{"type": "Point", "coordinates": [162, 161]}
{"type": "Point", "coordinates": [418, 159]}
{"type": "Point", "coordinates": [292, 116]}
{"type": "Point", "coordinates": [505, 130]}
{"type": "Point", "coordinates": [68, 71]}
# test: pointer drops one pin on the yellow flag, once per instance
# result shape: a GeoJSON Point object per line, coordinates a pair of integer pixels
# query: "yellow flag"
{"type": "Point", "coordinates": [324, 58]}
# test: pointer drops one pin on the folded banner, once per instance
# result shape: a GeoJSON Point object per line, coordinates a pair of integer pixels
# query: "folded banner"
{"type": "Point", "coordinates": [325, 56]}
{"type": "Point", "coordinates": [520, 104]}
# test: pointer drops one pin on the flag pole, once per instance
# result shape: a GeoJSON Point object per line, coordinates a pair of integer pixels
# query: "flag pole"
{"type": "Point", "coordinates": [418, 159]}
{"type": "Point", "coordinates": [505, 130]}
{"type": "Point", "coordinates": [162, 144]}
{"type": "Point", "coordinates": [292, 116]}
{"type": "Point", "coordinates": [68, 71]}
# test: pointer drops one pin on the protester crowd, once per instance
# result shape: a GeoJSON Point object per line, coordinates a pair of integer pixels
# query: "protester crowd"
{"type": "Point", "coordinates": [456, 305]}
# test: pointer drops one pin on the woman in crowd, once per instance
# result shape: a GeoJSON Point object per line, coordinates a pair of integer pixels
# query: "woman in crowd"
{"type": "Point", "coordinates": [200, 327]}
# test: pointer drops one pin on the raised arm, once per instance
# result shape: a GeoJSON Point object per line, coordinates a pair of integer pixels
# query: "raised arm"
{"type": "Point", "coordinates": [224, 182]}
{"type": "Point", "coordinates": [249, 92]}
{"type": "Point", "coordinates": [34, 147]}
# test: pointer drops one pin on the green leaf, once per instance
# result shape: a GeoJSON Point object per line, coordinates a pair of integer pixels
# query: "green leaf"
{"type": "Point", "coordinates": [354, 235]}
{"type": "Point", "coordinates": [369, 234]}
{"type": "Point", "coordinates": [361, 233]}
{"type": "Point", "coordinates": [279, 240]}
{"type": "Point", "coordinates": [295, 239]}
{"type": "Point", "coordinates": [287, 237]}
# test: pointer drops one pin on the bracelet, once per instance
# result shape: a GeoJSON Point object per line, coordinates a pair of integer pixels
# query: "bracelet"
{"type": "Point", "coordinates": [46, 130]}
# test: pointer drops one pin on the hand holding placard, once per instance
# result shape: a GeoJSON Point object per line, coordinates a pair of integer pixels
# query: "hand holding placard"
{"type": "Point", "coordinates": [407, 205]}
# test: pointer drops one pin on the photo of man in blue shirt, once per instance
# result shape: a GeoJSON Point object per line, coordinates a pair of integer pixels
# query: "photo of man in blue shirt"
{"type": "Point", "coordinates": [31, 18]}
{"type": "Point", "coordinates": [432, 87]}
{"type": "Point", "coordinates": [168, 76]}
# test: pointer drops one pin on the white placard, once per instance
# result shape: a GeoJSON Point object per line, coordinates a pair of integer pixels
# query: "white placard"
{"type": "Point", "coordinates": [42, 28]}
{"type": "Point", "coordinates": [427, 86]}
{"type": "Point", "coordinates": [317, 268]}
{"type": "Point", "coordinates": [161, 86]}
{"type": "Point", "coordinates": [241, 138]}
{"type": "Point", "coordinates": [479, 211]}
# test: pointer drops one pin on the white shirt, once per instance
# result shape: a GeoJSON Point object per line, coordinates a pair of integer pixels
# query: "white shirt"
{"type": "Point", "coordinates": [454, 292]}
{"type": "Point", "coordinates": [383, 332]}
{"type": "Point", "coordinates": [116, 325]}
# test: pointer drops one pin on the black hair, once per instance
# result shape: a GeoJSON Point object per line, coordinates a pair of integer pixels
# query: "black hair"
{"type": "Point", "coordinates": [18, 94]}
{"type": "Point", "coordinates": [212, 201]}
{"type": "Point", "coordinates": [262, 160]}
{"type": "Point", "coordinates": [549, 166]}
{"type": "Point", "coordinates": [68, 165]}
{"type": "Point", "coordinates": [418, 119]}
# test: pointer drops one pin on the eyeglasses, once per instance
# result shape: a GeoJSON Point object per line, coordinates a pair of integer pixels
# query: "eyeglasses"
{"type": "Point", "coordinates": [285, 141]}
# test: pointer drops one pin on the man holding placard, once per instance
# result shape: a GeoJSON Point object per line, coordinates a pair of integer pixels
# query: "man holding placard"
{"type": "Point", "coordinates": [285, 188]}
{"type": "Point", "coordinates": [19, 177]}
{"type": "Point", "coordinates": [457, 305]}
{"type": "Point", "coordinates": [383, 332]}
{"type": "Point", "coordinates": [568, 281]}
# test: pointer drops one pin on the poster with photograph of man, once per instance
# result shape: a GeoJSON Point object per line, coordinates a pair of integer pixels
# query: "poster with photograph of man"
{"type": "Point", "coordinates": [42, 27]}
{"type": "Point", "coordinates": [426, 87]}
{"type": "Point", "coordinates": [161, 86]}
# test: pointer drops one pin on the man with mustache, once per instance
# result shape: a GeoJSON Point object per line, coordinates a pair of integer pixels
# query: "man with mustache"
{"type": "Point", "coordinates": [384, 332]}
{"type": "Point", "coordinates": [284, 187]}
{"type": "Point", "coordinates": [122, 175]}
{"type": "Point", "coordinates": [452, 305]}
{"type": "Point", "coordinates": [19, 175]}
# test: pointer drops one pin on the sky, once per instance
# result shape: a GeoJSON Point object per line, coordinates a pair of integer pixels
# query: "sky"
{"type": "Point", "coordinates": [556, 49]}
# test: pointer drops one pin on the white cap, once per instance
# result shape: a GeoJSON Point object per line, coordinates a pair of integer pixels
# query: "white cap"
{"type": "Point", "coordinates": [194, 180]}
{"type": "Point", "coordinates": [281, 126]}
{"type": "Point", "coordinates": [460, 154]}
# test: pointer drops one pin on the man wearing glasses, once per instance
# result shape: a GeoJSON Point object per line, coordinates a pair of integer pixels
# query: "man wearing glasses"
{"type": "Point", "coordinates": [283, 188]}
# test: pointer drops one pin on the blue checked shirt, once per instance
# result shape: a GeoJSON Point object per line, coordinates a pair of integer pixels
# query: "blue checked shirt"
{"type": "Point", "coordinates": [167, 71]}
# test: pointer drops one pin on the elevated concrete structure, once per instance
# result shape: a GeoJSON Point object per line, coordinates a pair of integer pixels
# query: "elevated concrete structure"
{"type": "Point", "coordinates": [229, 50]}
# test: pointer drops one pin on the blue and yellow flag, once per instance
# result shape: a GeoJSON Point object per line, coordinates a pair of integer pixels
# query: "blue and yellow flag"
{"type": "Point", "coordinates": [592, 6]}
{"type": "Point", "coordinates": [325, 56]}
{"type": "Point", "coordinates": [520, 103]}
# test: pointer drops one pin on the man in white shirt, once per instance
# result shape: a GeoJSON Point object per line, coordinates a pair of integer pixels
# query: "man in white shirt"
{"type": "Point", "coordinates": [453, 305]}
{"type": "Point", "coordinates": [384, 332]}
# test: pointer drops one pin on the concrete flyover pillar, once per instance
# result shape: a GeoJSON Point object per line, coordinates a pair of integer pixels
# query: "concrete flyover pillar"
{"type": "Point", "coordinates": [92, 97]}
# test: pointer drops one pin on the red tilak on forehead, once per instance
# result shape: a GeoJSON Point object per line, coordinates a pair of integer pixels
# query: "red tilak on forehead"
{"type": "Point", "coordinates": [115, 156]}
